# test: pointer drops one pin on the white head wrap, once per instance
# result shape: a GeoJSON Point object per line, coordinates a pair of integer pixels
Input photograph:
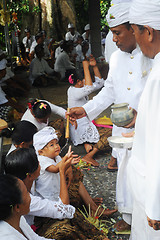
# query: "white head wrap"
{"type": "Point", "coordinates": [3, 63]}
{"type": "Point", "coordinates": [118, 13]}
{"type": "Point", "coordinates": [87, 27]}
{"type": "Point", "coordinates": [70, 25]}
{"type": "Point", "coordinates": [145, 12]}
{"type": "Point", "coordinates": [44, 136]}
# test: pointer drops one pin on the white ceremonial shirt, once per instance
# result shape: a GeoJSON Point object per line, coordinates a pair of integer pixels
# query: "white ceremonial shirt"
{"type": "Point", "coordinates": [47, 208]}
{"type": "Point", "coordinates": [86, 131]}
{"type": "Point", "coordinates": [48, 183]}
{"type": "Point", "coordinates": [145, 159]}
{"type": "Point", "coordinates": [28, 43]}
{"type": "Point", "coordinates": [38, 68]}
{"type": "Point", "coordinates": [7, 232]}
{"type": "Point", "coordinates": [69, 36]}
{"type": "Point", "coordinates": [54, 109]}
{"type": "Point", "coordinates": [125, 83]}
{"type": "Point", "coordinates": [110, 46]}
{"type": "Point", "coordinates": [3, 98]}
{"type": "Point", "coordinates": [63, 63]}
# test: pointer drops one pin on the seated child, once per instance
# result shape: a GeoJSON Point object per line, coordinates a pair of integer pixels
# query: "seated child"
{"type": "Point", "coordinates": [47, 148]}
{"type": "Point", "coordinates": [86, 132]}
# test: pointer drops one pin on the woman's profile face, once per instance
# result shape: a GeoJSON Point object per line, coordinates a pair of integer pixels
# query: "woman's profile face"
{"type": "Point", "coordinates": [24, 207]}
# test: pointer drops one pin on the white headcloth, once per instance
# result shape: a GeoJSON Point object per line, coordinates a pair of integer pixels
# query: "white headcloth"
{"type": "Point", "coordinates": [118, 13]}
{"type": "Point", "coordinates": [145, 12]}
{"type": "Point", "coordinates": [3, 63]}
{"type": "Point", "coordinates": [43, 137]}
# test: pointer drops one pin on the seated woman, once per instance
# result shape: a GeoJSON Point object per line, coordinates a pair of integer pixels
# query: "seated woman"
{"type": "Point", "coordinates": [39, 112]}
{"type": "Point", "coordinates": [23, 163]}
{"type": "Point", "coordinates": [14, 203]}
{"type": "Point", "coordinates": [41, 74]}
{"type": "Point", "coordinates": [63, 65]}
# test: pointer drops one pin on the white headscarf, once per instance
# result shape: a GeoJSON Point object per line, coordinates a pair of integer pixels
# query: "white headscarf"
{"type": "Point", "coordinates": [44, 136]}
{"type": "Point", "coordinates": [145, 12]}
{"type": "Point", "coordinates": [118, 13]}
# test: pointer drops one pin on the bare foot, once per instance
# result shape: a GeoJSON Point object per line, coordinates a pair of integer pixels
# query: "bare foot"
{"type": "Point", "coordinates": [90, 160]}
{"type": "Point", "coordinates": [107, 213]}
{"type": "Point", "coordinates": [112, 165]}
{"type": "Point", "coordinates": [98, 201]}
{"type": "Point", "coordinates": [122, 226]}
{"type": "Point", "coordinates": [88, 147]}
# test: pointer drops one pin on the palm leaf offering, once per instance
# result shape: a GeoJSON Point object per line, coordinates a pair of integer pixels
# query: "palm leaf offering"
{"type": "Point", "coordinates": [103, 225]}
{"type": "Point", "coordinates": [83, 164]}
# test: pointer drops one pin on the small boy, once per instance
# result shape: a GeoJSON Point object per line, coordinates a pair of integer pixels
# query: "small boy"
{"type": "Point", "coordinates": [47, 148]}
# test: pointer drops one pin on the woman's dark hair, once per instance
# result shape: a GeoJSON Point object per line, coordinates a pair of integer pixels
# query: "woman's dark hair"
{"type": "Point", "coordinates": [22, 131]}
{"type": "Point", "coordinates": [74, 76]}
{"type": "Point", "coordinates": [21, 162]}
{"type": "Point", "coordinates": [40, 109]}
{"type": "Point", "coordinates": [65, 45]}
{"type": "Point", "coordinates": [10, 195]}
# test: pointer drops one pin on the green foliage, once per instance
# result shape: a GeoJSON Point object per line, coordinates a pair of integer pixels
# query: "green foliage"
{"type": "Point", "coordinates": [104, 6]}
{"type": "Point", "coordinates": [81, 8]}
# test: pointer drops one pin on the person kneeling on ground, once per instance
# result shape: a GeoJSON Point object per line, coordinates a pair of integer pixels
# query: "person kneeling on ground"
{"type": "Point", "coordinates": [40, 72]}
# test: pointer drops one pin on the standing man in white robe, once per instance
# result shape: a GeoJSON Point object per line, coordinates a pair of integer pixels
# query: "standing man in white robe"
{"type": "Point", "coordinates": [144, 164]}
{"type": "Point", "coordinates": [125, 83]}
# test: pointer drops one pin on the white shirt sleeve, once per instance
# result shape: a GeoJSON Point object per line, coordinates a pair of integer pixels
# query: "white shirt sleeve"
{"type": "Point", "coordinates": [57, 110]}
{"type": "Point", "coordinates": [47, 208]}
{"type": "Point", "coordinates": [101, 101]}
{"type": "Point", "coordinates": [99, 83]}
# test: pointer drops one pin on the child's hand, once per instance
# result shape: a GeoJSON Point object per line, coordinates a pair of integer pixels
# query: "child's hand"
{"type": "Point", "coordinates": [92, 61]}
{"type": "Point", "coordinates": [65, 164]}
{"type": "Point", "coordinates": [69, 153]}
{"type": "Point", "coordinates": [75, 159]}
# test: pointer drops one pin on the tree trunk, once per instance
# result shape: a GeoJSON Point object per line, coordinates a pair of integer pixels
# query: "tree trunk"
{"type": "Point", "coordinates": [95, 26]}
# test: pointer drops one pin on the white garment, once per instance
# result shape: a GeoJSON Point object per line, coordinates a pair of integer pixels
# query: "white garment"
{"type": "Point", "coordinates": [3, 98]}
{"type": "Point", "coordinates": [143, 168]}
{"type": "Point", "coordinates": [58, 51]}
{"type": "Point", "coordinates": [48, 183]}
{"type": "Point", "coordinates": [34, 44]}
{"type": "Point", "coordinates": [125, 83]}
{"type": "Point", "coordinates": [110, 46]}
{"type": "Point", "coordinates": [47, 208]}
{"type": "Point", "coordinates": [86, 131]}
{"type": "Point", "coordinates": [145, 12]}
{"type": "Point", "coordinates": [46, 50]}
{"type": "Point", "coordinates": [63, 63]}
{"type": "Point", "coordinates": [54, 109]}
{"type": "Point", "coordinates": [118, 13]}
{"type": "Point", "coordinates": [39, 67]}
{"type": "Point", "coordinates": [9, 74]}
{"type": "Point", "coordinates": [28, 43]}
{"type": "Point", "coordinates": [80, 56]}
{"type": "Point", "coordinates": [7, 232]}
{"type": "Point", "coordinates": [69, 36]}
{"type": "Point", "coordinates": [84, 35]}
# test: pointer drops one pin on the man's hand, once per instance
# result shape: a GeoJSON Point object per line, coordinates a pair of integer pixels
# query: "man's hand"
{"type": "Point", "coordinates": [131, 134]}
{"type": "Point", "coordinates": [76, 113]}
{"type": "Point", "coordinates": [154, 223]}
{"type": "Point", "coordinates": [132, 123]}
